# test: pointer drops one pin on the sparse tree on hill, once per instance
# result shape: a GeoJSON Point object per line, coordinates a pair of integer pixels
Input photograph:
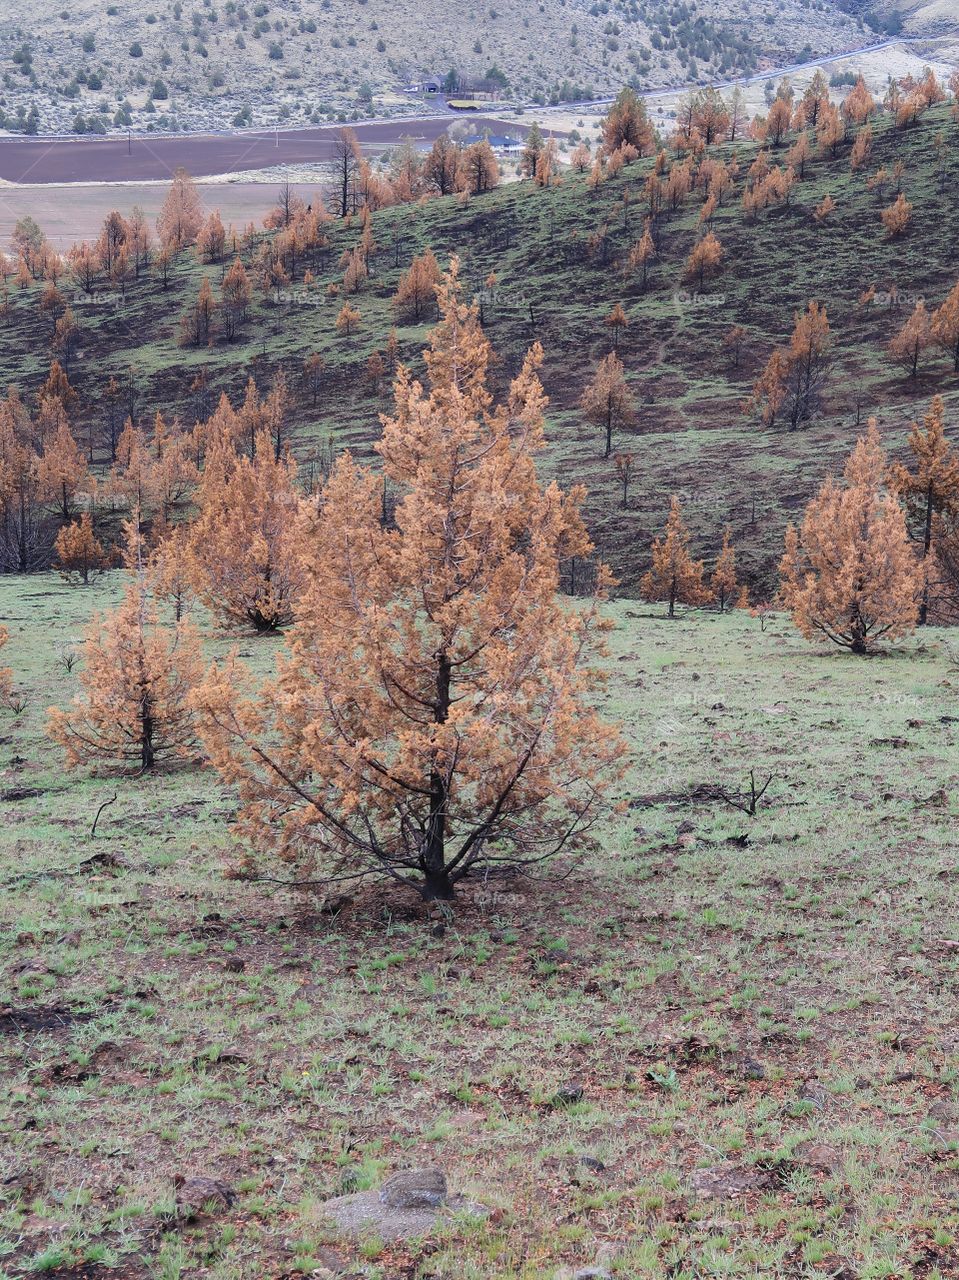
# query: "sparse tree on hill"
{"type": "Point", "coordinates": [931, 489]}
{"type": "Point", "coordinates": [795, 376]}
{"type": "Point", "coordinates": [347, 320]}
{"type": "Point", "coordinates": [674, 576]}
{"type": "Point", "coordinates": [170, 570]}
{"type": "Point", "coordinates": [624, 470]}
{"type": "Point", "coordinates": [547, 165]}
{"type": "Point", "coordinates": [416, 293]}
{"type": "Point", "coordinates": [897, 217]}
{"type": "Point", "coordinates": [944, 326]}
{"type": "Point", "coordinates": [580, 160]}
{"type": "Point", "coordinates": [705, 259]}
{"type": "Point", "coordinates": [432, 717]}
{"type": "Point", "coordinates": [608, 402]}
{"type": "Point", "coordinates": [78, 550]}
{"type": "Point", "coordinates": [479, 171]}
{"type": "Point", "coordinates": [313, 367]}
{"type": "Point", "coordinates": [915, 337]}
{"type": "Point", "coordinates": [815, 98]}
{"type": "Point", "coordinates": [778, 122]}
{"type": "Point", "coordinates": [859, 104]}
{"type": "Point", "coordinates": [733, 342]}
{"type": "Point", "coordinates": [861, 149]}
{"type": "Point", "coordinates": [136, 683]}
{"type": "Point", "coordinates": [711, 116]}
{"type": "Point", "coordinates": [84, 266]}
{"type": "Point", "coordinates": [345, 167]}
{"type": "Point", "coordinates": [211, 238]}
{"type": "Point", "coordinates": [641, 255]}
{"type": "Point", "coordinates": [244, 541]}
{"type": "Point", "coordinates": [442, 166]}
{"type": "Point", "coordinates": [62, 468]}
{"type": "Point", "coordinates": [738, 114]}
{"type": "Point", "coordinates": [830, 130]}
{"type": "Point", "coordinates": [852, 576]}
{"type": "Point", "coordinates": [726, 589]}
{"type": "Point", "coordinates": [6, 673]}
{"type": "Point", "coordinates": [531, 151]}
{"type": "Point", "coordinates": [181, 217]}
{"type": "Point", "coordinates": [799, 155]}
{"type": "Point", "coordinates": [196, 324]}
{"type": "Point", "coordinates": [824, 209]}
{"type": "Point", "coordinates": [616, 322]}
{"type": "Point", "coordinates": [235, 294]}
{"type": "Point", "coordinates": [628, 124]}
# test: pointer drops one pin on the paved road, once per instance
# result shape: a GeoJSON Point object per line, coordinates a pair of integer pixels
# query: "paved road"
{"type": "Point", "coordinates": [142, 158]}
{"type": "Point", "coordinates": [773, 73]}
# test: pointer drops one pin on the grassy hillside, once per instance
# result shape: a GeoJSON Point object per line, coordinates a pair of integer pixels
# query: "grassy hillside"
{"type": "Point", "coordinates": [277, 61]}
{"type": "Point", "coordinates": [692, 437]}
{"type": "Point", "coordinates": [758, 1011]}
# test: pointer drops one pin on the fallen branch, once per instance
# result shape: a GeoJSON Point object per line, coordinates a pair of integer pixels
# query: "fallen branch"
{"type": "Point", "coordinates": [745, 801]}
{"type": "Point", "coordinates": [93, 829]}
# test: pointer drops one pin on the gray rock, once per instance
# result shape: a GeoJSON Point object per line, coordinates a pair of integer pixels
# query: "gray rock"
{"type": "Point", "coordinates": [726, 1181]}
{"type": "Point", "coordinates": [409, 1204]}
{"type": "Point", "coordinates": [197, 1196]}
{"type": "Point", "coordinates": [567, 1095]}
{"type": "Point", "coordinates": [818, 1155]}
{"type": "Point", "coordinates": [414, 1189]}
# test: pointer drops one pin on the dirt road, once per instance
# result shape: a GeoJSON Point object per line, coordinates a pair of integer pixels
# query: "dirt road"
{"type": "Point", "coordinates": [144, 158]}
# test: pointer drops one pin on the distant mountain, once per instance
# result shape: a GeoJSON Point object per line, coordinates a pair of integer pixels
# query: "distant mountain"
{"type": "Point", "coordinates": [96, 66]}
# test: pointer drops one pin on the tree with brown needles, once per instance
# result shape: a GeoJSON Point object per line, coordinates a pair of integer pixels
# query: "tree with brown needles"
{"type": "Point", "coordinates": [211, 238]}
{"type": "Point", "coordinates": [415, 296]}
{"type": "Point", "coordinates": [704, 260]}
{"type": "Point", "coordinates": [795, 376]}
{"type": "Point", "coordinates": [196, 324]}
{"type": "Point", "coordinates": [608, 402]}
{"type": "Point", "coordinates": [851, 575]}
{"type": "Point", "coordinates": [79, 551]}
{"type": "Point", "coordinates": [727, 590]}
{"type": "Point", "coordinates": [433, 715]}
{"type": "Point", "coordinates": [944, 326]}
{"type": "Point", "coordinates": [347, 320]}
{"type": "Point", "coordinates": [930, 490]}
{"type": "Point", "coordinates": [313, 366]}
{"type": "Point", "coordinates": [616, 322]}
{"type": "Point", "coordinates": [235, 294]}
{"type": "Point", "coordinates": [181, 217]}
{"type": "Point", "coordinates": [915, 337]}
{"type": "Point", "coordinates": [641, 255]}
{"type": "Point", "coordinates": [675, 577]}
{"type": "Point", "coordinates": [479, 171]}
{"type": "Point", "coordinates": [6, 673]}
{"type": "Point", "coordinates": [62, 467]}
{"type": "Point", "coordinates": [136, 681]}
{"type": "Point", "coordinates": [442, 166]}
{"type": "Point", "coordinates": [627, 123]}
{"type": "Point", "coordinates": [897, 217]}
{"type": "Point", "coordinates": [244, 542]}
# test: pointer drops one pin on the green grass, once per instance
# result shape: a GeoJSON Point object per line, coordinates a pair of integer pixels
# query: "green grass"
{"type": "Point", "coordinates": [725, 990]}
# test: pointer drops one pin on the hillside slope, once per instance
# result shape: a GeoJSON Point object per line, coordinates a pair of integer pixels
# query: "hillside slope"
{"type": "Point", "coordinates": [691, 436]}
{"type": "Point", "coordinates": [302, 59]}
